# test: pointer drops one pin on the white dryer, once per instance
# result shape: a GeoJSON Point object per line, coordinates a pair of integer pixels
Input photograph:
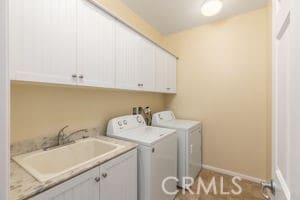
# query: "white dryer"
{"type": "Point", "coordinates": [157, 154]}
{"type": "Point", "coordinates": [189, 144]}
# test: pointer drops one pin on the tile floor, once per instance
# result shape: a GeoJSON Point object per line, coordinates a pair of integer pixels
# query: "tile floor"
{"type": "Point", "coordinates": [250, 190]}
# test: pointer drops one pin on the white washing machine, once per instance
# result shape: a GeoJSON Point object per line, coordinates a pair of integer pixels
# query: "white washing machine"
{"type": "Point", "coordinates": [157, 154]}
{"type": "Point", "coordinates": [189, 144]}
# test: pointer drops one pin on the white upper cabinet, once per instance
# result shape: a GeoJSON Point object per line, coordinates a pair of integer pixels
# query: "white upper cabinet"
{"type": "Point", "coordinates": [171, 73]}
{"type": "Point", "coordinates": [146, 65]}
{"type": "Point", "coordinates": [43, 40]}
{"type": "Point", "coordinates": [165, 73]}
{"type": "Point", "coordinates": [126, 58]}
{"type": "Point", "coordinates": [74, 42]}
{"type": "Point", "coordinates": [96, 46]}
{"type": "Point", "coordinates": [160, 70]}
{"type": "Point", "coordinates": [135, 60]}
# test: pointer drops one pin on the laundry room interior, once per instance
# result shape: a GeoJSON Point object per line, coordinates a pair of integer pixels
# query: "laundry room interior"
{"type": "Point", "coordinates": [98, 87]}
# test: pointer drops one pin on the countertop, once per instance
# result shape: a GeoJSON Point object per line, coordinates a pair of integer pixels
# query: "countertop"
{"type": "Point", "coordinates": [25, 186]}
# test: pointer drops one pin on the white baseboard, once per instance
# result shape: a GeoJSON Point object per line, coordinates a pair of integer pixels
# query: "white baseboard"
{"type": "Point", "coordinates": [231, 173]}
{"type": "Point", "coordinates": [283, 185]}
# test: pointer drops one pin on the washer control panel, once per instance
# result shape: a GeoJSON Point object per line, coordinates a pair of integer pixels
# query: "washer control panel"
{"type": "Point", "coordinates": [124, 123]}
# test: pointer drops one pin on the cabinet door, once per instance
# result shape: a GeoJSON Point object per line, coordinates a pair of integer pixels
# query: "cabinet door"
{"type": "Point", "coordinates": [171, 73]}
{"type": "Point", "coordinates": [96, 46]}
{"type": "Point", "coordinates": [126, 58]}
{"type": "Point", "coordinates": [146, 65]}
{"type": "Point", "coordinates": [165, 72]}
{"type": "Point", "coordinates": [119, 178]}
{"type": "Point", "coordinates": [81, 187]}
{"type": "Point", "coordinates": [43, 40]}
{"type": "Point", "coordinates": [160, 70]}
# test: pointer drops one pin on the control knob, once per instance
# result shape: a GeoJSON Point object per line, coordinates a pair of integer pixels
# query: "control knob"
{"type": "Point", "coordinates": [119, 123]}
{"type": "Point", "coordinates": [139, 119]}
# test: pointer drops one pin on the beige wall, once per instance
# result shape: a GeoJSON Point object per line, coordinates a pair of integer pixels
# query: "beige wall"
{"type": "Point", "coordinates": [222, 80]}
{"type": "Point", "coordinates": [43, 110]}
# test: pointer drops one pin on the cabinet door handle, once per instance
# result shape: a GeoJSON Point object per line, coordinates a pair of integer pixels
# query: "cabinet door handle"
{"type": "Point", "coordinates": [97, 179]}
{"type": "Point", "coordinates": [168, 88]}
{"type": "Point", "coordinates": [104, 175]}
{"type": "Point", "coordinates": [81, 76]}
{"type": "Point", "coordinates": [74, 75]}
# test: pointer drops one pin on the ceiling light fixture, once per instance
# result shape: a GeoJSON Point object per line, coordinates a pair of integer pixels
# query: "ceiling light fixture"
{"type": "Point", "coordinates": [211, 7]}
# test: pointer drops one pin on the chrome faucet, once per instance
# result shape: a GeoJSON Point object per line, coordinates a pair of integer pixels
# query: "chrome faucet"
{"type": "Point", "coordinates": [63, 139]}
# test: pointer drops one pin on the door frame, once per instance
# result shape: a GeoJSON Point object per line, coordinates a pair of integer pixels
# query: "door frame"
{"type": "Point", "coordinates": [295, 115]}
{"type": "Point", "coordinates": [280, 21]}
{"type": "Point", "coordinates": [287, 189]}
{"type": "Point", "coordinates": [4, 103]}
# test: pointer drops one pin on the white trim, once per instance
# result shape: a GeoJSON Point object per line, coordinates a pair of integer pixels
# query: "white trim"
{"type": "Point", "coordinates": [4, 102]}
{"type": "Point", "coordinates": [294, 148]}
{"type": "Point", "coordinates": [283, 185]}
{"type": "Point", "coordinates": [231, 173]}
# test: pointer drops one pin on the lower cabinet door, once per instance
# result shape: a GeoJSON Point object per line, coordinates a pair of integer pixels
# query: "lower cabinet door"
{"type": "Point", "coordinates": [83, 187]}
{"type": "Point", "coordinates": [119, 178]}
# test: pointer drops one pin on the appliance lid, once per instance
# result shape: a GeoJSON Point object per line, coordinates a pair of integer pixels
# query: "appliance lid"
{"type": "Point", "coordinates": [146, 135]}
{"type": "Point", "coordinates": [180, 124]}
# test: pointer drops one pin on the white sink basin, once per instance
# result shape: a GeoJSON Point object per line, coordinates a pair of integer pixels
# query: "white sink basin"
{"type": "Point", "coordinates": [45, 165]}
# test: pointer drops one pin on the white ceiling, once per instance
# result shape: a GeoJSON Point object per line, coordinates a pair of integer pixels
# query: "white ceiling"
{"type": "Point", "coordinates": [170, 16]}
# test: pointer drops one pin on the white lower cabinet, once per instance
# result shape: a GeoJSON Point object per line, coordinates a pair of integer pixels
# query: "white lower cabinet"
{"type": "Point", "coordinates": [81, 187]}
{"type": "Point", "coordinates": [114, 180]}
{"type": "Point", "coordinates": [119, 179]}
